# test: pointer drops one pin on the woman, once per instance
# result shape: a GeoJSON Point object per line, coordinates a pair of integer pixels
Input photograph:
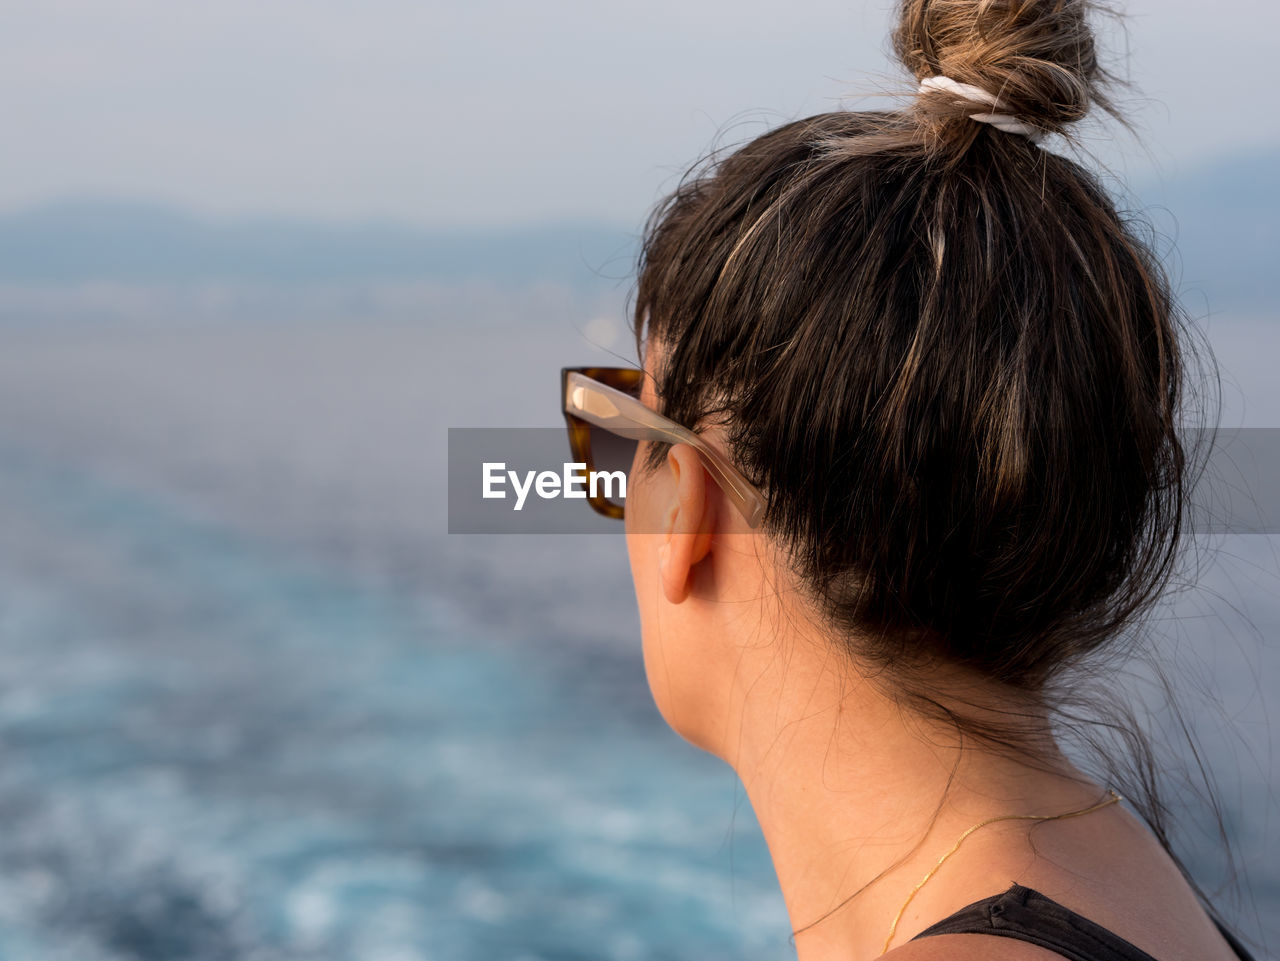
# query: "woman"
{"type": "Point", "coordinates": [909, 401]}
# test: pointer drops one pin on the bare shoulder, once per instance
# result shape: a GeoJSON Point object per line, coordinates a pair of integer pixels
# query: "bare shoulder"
{"type": "Point", "coordinates": [970, 947]}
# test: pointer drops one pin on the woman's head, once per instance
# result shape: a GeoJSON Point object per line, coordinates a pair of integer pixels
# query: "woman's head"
{"type": "Point", "coordinates": [949, 362]}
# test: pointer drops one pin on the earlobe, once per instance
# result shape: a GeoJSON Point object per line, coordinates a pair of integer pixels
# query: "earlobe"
{"type": "Point", "coordinates": [689, 523]}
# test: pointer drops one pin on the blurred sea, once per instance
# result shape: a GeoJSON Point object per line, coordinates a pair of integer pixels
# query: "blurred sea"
{"type": "Point", "coordinates": [256, 704]}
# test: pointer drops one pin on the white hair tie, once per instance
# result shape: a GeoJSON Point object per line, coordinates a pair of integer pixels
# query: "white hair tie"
{"type": "Point", "coordinates": [967, 91]}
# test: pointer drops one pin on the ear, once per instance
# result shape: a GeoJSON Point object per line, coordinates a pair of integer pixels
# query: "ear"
{"type": "Point", "coordinates": [689, 522]}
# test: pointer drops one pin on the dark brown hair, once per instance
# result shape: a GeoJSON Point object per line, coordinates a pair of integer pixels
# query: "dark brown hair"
{"type": "Point", "coordinates": [952, 365]}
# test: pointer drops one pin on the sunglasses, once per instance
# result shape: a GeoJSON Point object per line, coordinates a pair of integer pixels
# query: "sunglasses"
{"type": "Point", "coordinates": [607, 422]}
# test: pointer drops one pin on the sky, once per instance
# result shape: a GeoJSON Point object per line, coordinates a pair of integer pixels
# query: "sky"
{"type": "Point", "coordinates": [496, 112]}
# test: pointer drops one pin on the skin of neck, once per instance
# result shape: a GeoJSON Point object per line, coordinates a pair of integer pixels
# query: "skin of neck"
{"type": "Point", "coordinates": [856, 794]}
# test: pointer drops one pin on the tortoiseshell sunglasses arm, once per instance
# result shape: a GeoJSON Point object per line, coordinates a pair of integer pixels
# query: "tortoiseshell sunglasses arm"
{"type": "Point", "coordinates": [622, 414]}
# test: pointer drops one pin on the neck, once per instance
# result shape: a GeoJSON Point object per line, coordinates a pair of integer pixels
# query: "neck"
{"type": "Point", "coordinates": [858, 798]}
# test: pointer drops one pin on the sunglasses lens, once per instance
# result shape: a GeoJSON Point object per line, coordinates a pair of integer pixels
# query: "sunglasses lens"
{"type": "Point", "coordinates": [606, 454]}
{"type": "Point", "coordinates": [613, 455]}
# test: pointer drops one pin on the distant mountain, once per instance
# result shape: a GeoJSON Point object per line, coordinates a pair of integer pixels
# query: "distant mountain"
{"type": "Point", "coordinates": [1223, 218]}
{"type": "Point", "coordinates": [107, 240]}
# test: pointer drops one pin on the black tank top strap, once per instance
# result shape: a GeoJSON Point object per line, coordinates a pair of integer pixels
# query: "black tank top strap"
{"type": "Point", "coordinates": [1029, 916]}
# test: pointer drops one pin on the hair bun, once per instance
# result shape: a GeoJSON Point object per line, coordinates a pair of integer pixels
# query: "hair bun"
{"type": "Point", "coordinates": [1036, 56]}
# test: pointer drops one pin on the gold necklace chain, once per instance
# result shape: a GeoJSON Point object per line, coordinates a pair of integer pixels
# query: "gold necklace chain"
{"type": "Point", "coordinates": [955, 847]}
